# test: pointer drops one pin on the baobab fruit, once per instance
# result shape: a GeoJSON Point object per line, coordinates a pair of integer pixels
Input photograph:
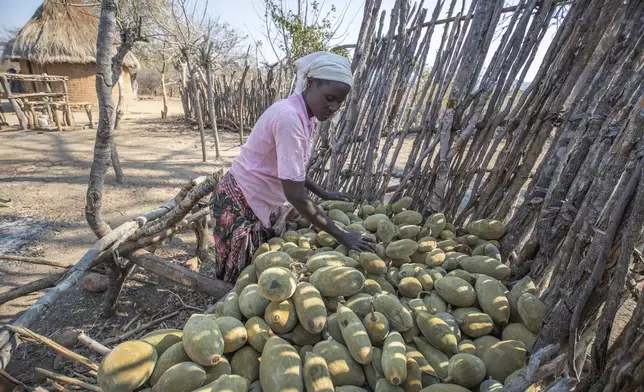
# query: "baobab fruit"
{"type": "Point", "coordinates": [399, 317]}
{"type": "Point", "coordinates": [245, 363]}
{"type": "Point", "coordinates": [377, 326]}
{"type": "Point", "coordinates": [355, 335]}
{"type": "Point", "coordinates": [228, 383]}
{"type": "Point", "coordinates": [401, 249]}
{"type": "Point", "coordinates": [487, 229]}
{"type": "Point", "coordinates": [466, 346]}
{"type": "Point", "coordinates": [520, 332]}
{"type": "Point", "coordinates": [372, 263]}
{"type": "Point", "coordinates": [408, 232]}
{"type": "Point", "coordinates": [491, 296]}
{"type": "Point", "coordinates": [455, 291]}
{"type": "Point", "coordinates": [280, 316]}
{"type": "Point", "coordinates": [426, 244]}
{"type": "Point", "coordinates": [258, 333]}
{"type": "Point", "coordinates": [486, 266]}
{"type": "Point", "coordinates": [291, 236]}
{"type": "Point", "coordinates": [504, 358]}
{"type": "Point", "coordinates": [251, 302]}
{"type": "Point", "coordinates": [475, 324]}
{"type": "Point", "coordinates": [437, 332]}
{"type": "Point", "coordinates": [324, 259]}
{"type": "Point", "coordinates": [394, 360]}
{"type": "Point", "coordinates": [386, 231]}
{"type": "Point", "coordinates": [163, 339]}
{"type": "Point", "coordinates": [403, 204]}
{"type": "Point", "coordinates": [172, 356]}
{"type": "Point", "coordinates": [233, 332]}
{"type": "Point", "coordinates": [283, 371]}
{"type": "Point", "coordinates": [309, 307]}
{"type": "Point", "coordinates": [531, 310]}
{"type": "Point", "coordinates": [214, 372]}
{"type": "Point", "coordinates": [246, 277]}
{"type": "Point", "coordinates": [408, 218]}
{"type": "Point", "coordinates": [337, 281]}
{"type": "Point", "coordinates": [343, 369]}
{"type": "Point", "coordinates": [360, 304]}
{"type": "Point", "coordinates": [272, 259]}
{"type": "Point", "coordinates": [203, 340]}
{"type": "Point", "coordinates": [466, 370]}
{"type": "Point", "coordinates": [316, 374]}
{"type": "Point", "coordinates": [410, 287]}
{"type": "Point", "coordinates": [371, 222]}
{"type": "Point", "coordinates": [127, 366]}
{"type": "Point", "coordinates": [277, 284]}
{"type": "Point", "coordinates": [182, 377]}
{"type": "Point", "coordinates": [435, 257]}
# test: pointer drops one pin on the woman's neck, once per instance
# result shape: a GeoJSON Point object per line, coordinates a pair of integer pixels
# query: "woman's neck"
{"type": "Point", "coordinates": [306, 103]}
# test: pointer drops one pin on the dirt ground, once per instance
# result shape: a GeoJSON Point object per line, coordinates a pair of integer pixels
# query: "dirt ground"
{"type": "Point", "coordinates": [45, 174]}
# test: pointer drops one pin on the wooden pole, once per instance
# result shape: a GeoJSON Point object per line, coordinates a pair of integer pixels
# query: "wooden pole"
{"type": "Point", "coordinates": [40, 284]}
{"type": "Point", "coordinates": [16, 108]}
{"type": "Point", "coordinates": [241, 102]}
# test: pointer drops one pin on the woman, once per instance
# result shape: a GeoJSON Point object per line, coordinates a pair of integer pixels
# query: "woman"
{"type": "Point", "coordinates": [271, 168]}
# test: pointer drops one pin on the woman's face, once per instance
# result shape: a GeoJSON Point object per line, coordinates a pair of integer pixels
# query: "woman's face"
{"type": "Point", "coordinates": [324, 97]}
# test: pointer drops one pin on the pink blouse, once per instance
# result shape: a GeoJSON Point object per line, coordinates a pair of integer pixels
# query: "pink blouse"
{"type": "Point", "coordinates": [277, 149]}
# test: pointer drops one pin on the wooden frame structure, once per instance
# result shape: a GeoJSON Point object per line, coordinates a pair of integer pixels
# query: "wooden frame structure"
{"type": "Point", "coordinates": [56, 104]}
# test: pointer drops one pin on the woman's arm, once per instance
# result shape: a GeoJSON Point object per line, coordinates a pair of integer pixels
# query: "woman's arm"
{"type": "Point", "coordinates": [324, 194]}
{"type": "Point", "coordinates": [315, 188]}
{"type": "Point", "coordinates": [296, 194]}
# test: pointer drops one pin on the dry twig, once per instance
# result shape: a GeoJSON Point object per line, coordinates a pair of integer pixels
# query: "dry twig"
{"type": "Point", "coordinates": [34, 260]}
{"type": "Point", "coordinates": [68, 380]}
{"type": "Point", "coordinates": [143, 327]}
{"type": "Point", "coordinates": [92, 344]}
{"type": "Point", "coordinates": [53, 345]}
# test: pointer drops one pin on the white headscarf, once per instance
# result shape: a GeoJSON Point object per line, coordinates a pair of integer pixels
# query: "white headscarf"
{"type": "Point", "coordinates": [322, 65]}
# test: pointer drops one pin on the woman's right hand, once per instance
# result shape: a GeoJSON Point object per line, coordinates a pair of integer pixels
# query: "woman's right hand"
{"type": "Point", "coordinates": [355, 241]}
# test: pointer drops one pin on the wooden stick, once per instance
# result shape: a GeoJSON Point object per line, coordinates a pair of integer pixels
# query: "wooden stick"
{"type": "Point", "coordinates": [143, 327]}
{"type": "Point", "coordinates": [68, 380]}
{"type": "Point", "coordinates": [84, 377]}
{"type": "Point", "coordinates": [40, 284]}
{"type": "Point", "coordinates": [127, 326]}
{"type": "Point", "coordinates": [178, 274]}
{"type": "Point", "coordinates": [10, 378]}
{"type": "Point", "coordinates": [56, 385]}
{"type": "Point", "coordinates": [55, 346]}
{"type": "Point", "coordinates": [93, 344]}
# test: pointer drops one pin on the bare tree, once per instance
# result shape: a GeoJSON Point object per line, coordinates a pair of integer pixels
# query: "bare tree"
{"type": "Point", "coordinates": [108, 72]}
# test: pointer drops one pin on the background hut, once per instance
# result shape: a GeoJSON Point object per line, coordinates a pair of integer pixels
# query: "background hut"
{"type": "Point", "coordinates": [60, 39]}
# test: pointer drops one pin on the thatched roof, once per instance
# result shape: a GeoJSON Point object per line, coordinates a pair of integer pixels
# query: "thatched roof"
{"type": "Point", "coordinates": [59, 33]}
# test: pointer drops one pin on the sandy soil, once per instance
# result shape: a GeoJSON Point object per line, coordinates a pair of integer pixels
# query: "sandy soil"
{"type": "Point", "coordinates": [45, 174]}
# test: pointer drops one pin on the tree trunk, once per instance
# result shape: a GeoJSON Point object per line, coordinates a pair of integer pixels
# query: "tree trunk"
{"type": "Point", "coordinates": [105, 80]}
{"type": "Point", "coordinates": [241, 103]}
{"type": "Point", "coordinates": [108, 73]}
{"type": "Point", "coordinates": [211, 109]}
{"type": "Point", "coordinates": [197, 105]}
{"type": "Point", "coordinates": [164, 112]}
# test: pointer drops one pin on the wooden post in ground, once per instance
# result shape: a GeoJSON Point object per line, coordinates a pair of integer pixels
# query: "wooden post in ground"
{"type": "Point", "coordinates": [241, 103]}
{"type": "Point", "coordinates": [88, 110]}
{"type": "Point", "coordinates": [14, 104]}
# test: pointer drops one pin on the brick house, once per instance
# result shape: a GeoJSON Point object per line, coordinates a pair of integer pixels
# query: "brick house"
{"type": "Point", "coordinates": [60, 39]}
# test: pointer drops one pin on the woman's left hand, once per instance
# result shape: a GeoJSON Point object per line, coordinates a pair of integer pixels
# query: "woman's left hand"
{"type": "Point", "coordinates": [338, 196]}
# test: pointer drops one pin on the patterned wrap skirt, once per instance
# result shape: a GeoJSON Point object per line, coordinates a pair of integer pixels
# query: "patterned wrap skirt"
{"type": "Point", "coordinates": [237, 231]}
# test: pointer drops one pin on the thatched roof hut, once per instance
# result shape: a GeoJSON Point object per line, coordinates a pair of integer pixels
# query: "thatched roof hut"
{"type": "Point", "coordinates": [60, 39]}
